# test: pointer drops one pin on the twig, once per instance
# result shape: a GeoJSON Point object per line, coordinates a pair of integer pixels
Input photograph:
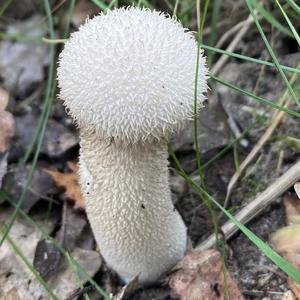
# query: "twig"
{"type": "Point", "coordinates": [242, 28]}
{"type": "Point", "coordinates": [256, 206]}
{"type": "Point", "coordinates": [223, 59]}
{"type": "Point", "coordinates": [221, 24]}
{"type": "Point", "coordinates": [275, 121]}
{"type": "Point", "coordinates": [280, 161]}
{"type": "Point", "coordinates": [230, 33]}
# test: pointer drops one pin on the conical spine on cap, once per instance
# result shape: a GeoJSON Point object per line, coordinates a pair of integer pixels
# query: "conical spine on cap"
{"type": "Point", "coordinates": [130, 74]}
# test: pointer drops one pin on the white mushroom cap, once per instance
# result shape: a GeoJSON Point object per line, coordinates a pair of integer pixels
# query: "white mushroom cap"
{"type": "Point", "coordinates": [129, 74]}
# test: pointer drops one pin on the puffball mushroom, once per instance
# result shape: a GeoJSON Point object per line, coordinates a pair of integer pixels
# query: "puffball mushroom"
{"type": "Point", "coordinates": [127, 78]}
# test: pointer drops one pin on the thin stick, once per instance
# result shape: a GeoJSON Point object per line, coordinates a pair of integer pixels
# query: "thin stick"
{"type": "Point", "coordinates": [275, 121]}
{"type": "Point", "coordinates": [256, 206]}
{"type": "Point", "coordinates": [230, 33]}
{"type": "Point", "coordinates": [241, 33]}
{"type": "Point", "coordinates": [258, 146]}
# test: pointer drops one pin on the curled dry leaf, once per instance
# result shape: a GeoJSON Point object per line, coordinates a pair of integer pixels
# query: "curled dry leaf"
{"type": "Point", "coordinates": [287, 239]}
{"type": "Point", "coordinates": [288, 295]}
{"type": "Point", "coordinates": [199, 276]}
{"type": "Point", "coordinates": [69, 182]}
{"type": "Point", "coordinates": [83, 10]}
{"type": "Point", "coordinates": [11, 295]}
{"type": "Point", "coordinates": [4, 98]}
{"type": "Point", "coordinates": [7, 131]}
{"type": "Point", "coordinates": [295, 287]}
{"type": "Point", "coordinates": [297, 189]}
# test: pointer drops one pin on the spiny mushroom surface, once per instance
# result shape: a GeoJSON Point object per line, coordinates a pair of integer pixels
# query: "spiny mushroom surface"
{"type": "Point", "coordinates": [127, 78]}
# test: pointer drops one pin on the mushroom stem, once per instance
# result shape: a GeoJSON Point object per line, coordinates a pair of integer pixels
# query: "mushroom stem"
{"type": "Point", "coordinates": [134, 221]}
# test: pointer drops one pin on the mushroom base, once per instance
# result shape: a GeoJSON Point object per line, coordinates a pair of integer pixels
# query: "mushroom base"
{"type": "Point", "coordinates": [128, 203]}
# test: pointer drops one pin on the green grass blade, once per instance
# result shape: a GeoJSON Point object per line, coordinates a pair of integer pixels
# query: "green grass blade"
{"type": "Point", "coordinates": [4, 6]}
{"type": "Point", "coordinates": [248, 58]}
{"type": "Point", "coordinates": [187, 9]}
{"type": "Point", "coordinates": [283, 264]}
{"type": "Point", "coordinates": [175, 8]}
{"type": "Point", "coordinates": [202, 19]}
{"type": "Point", "coordinates": [25, 38]}
{"type": "Point", "coordinates": [258, 98]}
{"type": "Point", "coordinates": [213, 26]}
{"type": "Point", "coordinates": [295, 6]}
{"type": "Point", "coordinates": [213, 218]}
{"type": "Point", "coordinates": [234, 142]}
{"type": "Point", "coordinates": [20, 38]}
{"type": "Point", "coordinates": [200, 23]}
{"type": "Point", "coordinates": [31, 267]}
{"type": "Point", "coordinates": [236, 157]}
{"type": "Point", "coordinates": [271, 52]}
{"type": "Point", "coordinates": [78, 277]}
{"type": "Point", "coordinates": [293, 14]}
{"type": "Point", "coordinates": [294, 31]}
{"type": "Point", "coordinates": [269, 17]}
{"type": "Point", "coordinates": [168, 4]}
{"type": "Point", "coordinates": [43, 123]}
{"type": "Point", "coordinates": [100, 4]}
{"type": "Point", "coordinates": [69, 19]}
{"type": "Point", "coordinates": [46, 236]}
{"type": "Point", "coordinates": [145, 3]}
{"type": "Point", "coordinates": [112, 3]}
{"type": "Point", "coordinates": [50, 85]}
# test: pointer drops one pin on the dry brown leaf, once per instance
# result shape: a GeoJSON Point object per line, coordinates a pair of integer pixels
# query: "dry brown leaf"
{"type": "Point", "coordinates": [83, 10]}
{"type": "Point", "coordinates": [200, 277]}
{"type": "Point", "coordinates": [287, 239]}
{"type": "Point", "coordinates": [4, 98]}
{"type": "Point", "coordinates": [69, 182]}
{"type": "Point", "coordinates": [288, 296]}
{"type": "Point", "coordinates": [15, 273]}
{"type": "Point", "coordinates": [11, 295]}
{"type": "Point", "coordinates": [7, 130]}
{"type": "Point", "coordinates": [292, 207]}
{"type": "Point", "coordinates": [295, 287]}
{"type": "Point", "coordinates": [297, 189]}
